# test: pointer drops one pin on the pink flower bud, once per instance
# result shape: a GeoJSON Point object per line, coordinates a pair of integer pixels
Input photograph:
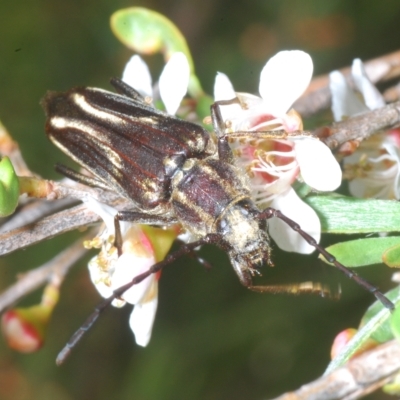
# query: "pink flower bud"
{"type": "Point", "coordinates": [342, 339]}
{"type": "Point", "coordinates": [24, 328]}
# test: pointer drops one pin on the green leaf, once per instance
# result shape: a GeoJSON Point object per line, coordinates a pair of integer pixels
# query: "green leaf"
{"type": "Point", "coordinates": [148, 32]}
{"type": "Point", "coordinates": [362, 252]}
{"type": "Point", "coordinates": [375, 325]}
{"type": "Point", "coordinates": [384, 332]}
{"type": "Point", "coordinates": [9, 188]}
{"type": "Point", "coordinates": [348, 215]}
{"type": "Point", "coordinates": [395, 323]}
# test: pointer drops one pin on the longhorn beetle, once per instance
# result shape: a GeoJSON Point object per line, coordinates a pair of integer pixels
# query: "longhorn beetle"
{"type": "Point", "coordinates": [172, 172]}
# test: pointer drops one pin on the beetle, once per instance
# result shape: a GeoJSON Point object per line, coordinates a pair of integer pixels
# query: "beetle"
{"type": "Point", "coordinates": [173, 172]}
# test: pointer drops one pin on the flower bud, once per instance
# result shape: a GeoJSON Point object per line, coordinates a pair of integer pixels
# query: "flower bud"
{"type": "Point", "coordinates": [343, 338]}
{"type": "Point", "coordinates": [9, 188]}
{"type": "Point", "coordinates": [24, 328]}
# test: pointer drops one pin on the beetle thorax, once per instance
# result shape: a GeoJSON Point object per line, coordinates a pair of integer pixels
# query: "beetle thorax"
{"type": "Point", "coordinates": [202, 192]}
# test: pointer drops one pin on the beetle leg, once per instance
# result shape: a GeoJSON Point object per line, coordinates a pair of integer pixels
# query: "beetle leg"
{"type": "Point", "coordinates": [138, 218]}
{"type": "Point", "coordinates": [224, 151]}
{"type": "Point", "coordinates": [123, 88]}
{"type": "Point", "coordinates": [80, 178]}
{"type": "Point", "coordinates": [145, 218]}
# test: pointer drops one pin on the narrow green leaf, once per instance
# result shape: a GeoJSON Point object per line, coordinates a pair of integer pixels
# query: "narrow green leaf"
{"type": "Point", "coordinates": [362, 252]}
{"type": "Point", "coordinates": [395, 323]}
{"type": "Point", "coordinates": [375, 325]}
{"type": "Point", "coordinates": [384, 333]}
{"type": "Point", "coordinates": [348, 215]}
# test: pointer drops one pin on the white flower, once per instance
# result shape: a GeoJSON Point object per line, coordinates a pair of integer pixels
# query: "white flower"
{"type": "Point", "coordinates": [345, 101]}
{"type": "Point", "coordinates": [173, 82]}
{"type": "Point", "coordinates": [374, 168]}
{"type": "Point", "coordinates": [109, 272]}
{"type": "Point", "coordinates": [274, 164]}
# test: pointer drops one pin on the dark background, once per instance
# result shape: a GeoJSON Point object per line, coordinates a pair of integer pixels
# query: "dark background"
{"type": "Point", "coordinates": [212, 339]}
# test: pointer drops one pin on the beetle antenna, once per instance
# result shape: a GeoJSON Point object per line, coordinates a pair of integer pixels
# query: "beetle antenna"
{"type": "Point", "coordinates": [271, 212]}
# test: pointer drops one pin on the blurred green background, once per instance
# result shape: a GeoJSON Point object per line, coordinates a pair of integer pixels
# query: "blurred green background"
{"type": "Point", "coordinates": [212, 339]}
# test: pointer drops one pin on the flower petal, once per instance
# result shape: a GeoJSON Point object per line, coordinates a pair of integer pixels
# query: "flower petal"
{"type": "Point", "coordinates": [318, 166]}
{"type": "Point", "coordinates": [105, 212]}
{"type": "Point", "coordinates": [127, 267]}
{"type": "Point", "coordinates": [345, 102]}
{"type": "Point", "coordinates": [284, 79]}
{"type": "Point", "coordinates": [142, 319]}
{"type": "Point", "coordinates": [97, 277]}
{"type": "Point", "coordinates": [358, 187]}
{"type": "Point", "coordinates": [394, 152]}
{"type": "Point", "coordinates": [372, 97]}
{"type": "Point", "coordinates": [137, 75]}
{"type": "Point", "coordinates": [174, 81]}
{"type": "Point", "coordinates": [285, 237]}
{"type": "Point", "coordinates": [223, 88]}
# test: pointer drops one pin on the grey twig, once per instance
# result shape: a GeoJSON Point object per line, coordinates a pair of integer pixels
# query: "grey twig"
{"type": "Point", "coordinates": [34, 211]}
{"type": "Point", "coordinates": [318, 96]}
{"type": "Point", "coordinates": [39, 276]}
{"type": "Point", "coordinates": [361, 126]}
{"type": "Point", "coordinates": [357, 378]}
{"type": "Point", "coordinates": [64, 221]}
{"type": "Point", "coordinates": [73, 218]}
